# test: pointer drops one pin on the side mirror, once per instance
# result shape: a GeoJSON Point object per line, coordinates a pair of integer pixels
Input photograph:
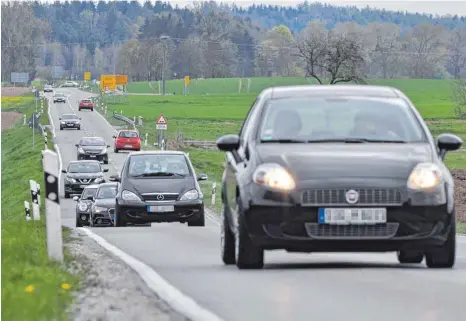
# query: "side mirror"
{"type": "Point", "coordinates": [228, 143]}
{"type": "Point", "coordinates": [77, 145]}
{"type": "Point", "coordinates": [63, 170]}
{"type": "Point", "coordinates": [108, 145]}
{"type": "Point", "coordinates": [105, 170]}
{"type": "Point", "coordinates": [75, 198]}
{"type": "Point", "coordinates": [114, 178]}
{"type": "Point", "coordinates": [80, 118]}
{"type": "Point", "coordinates": [59, 118]}
{"type": "Point", "coordinates": [447, 143]}
{"type": "Point", "coordinates": [202, 177]}
{"type": "Point", "coordinates": [90, 198]}
{"type": "Point", "coordinates": [114, 136]}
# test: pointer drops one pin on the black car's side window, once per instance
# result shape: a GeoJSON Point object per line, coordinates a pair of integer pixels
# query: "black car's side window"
{"type": "Point", "coordinates": [247, 120]}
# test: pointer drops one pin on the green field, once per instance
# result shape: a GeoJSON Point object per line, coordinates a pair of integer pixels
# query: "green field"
{"type": "Point", "coordinates": [202, 116]}
{"type": "Point", "coordinates": [31, 284]}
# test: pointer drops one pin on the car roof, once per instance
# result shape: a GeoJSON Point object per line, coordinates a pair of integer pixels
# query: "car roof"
{"type": "Point", "coordinates": [158, 152]}
{"type": "Point", "coordinates": [108, 184]}
{"type": "Point", "coordinates": [331, 91]}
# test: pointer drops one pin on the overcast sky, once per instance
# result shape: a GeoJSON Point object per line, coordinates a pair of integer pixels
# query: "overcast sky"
{"type": "Point", "coordinates": [430, 7]}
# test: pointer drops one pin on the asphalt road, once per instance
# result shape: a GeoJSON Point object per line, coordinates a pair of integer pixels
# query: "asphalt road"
{"type": "Point", "coordinates": [298, 287]}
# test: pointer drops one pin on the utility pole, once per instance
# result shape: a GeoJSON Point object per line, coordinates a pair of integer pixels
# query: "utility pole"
{"type": "Point", "coordinates": [164, 62]}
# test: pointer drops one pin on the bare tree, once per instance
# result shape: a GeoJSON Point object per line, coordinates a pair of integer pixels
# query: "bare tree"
{"type": "Point", "coordinates": [340, 57]}
{"type": "Point", "coordinates": [457, 51]}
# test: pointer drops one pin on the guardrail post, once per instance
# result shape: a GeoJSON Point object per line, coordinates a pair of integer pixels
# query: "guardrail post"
{"type": "Point", "coordinates": [38, 193]}
{"type": "Point", "coordinates": [162, 146]}
{"type": "Point", "coordinates": [52, 206]}
{"type": "Point", "coordinates": [24, 120]}
{"type": "Point", "coordinates": [35, 202]}
{"type": "Point", "coordinates": [214, 193]}
{"type": "Point", "coordinates": [140, 121]}
{"type": "Point", "coordinates": [46, 140]}
{"type": "Point", "coordinates": [145, 140]}
{"type": "Point", "coordinates": [27, 210]}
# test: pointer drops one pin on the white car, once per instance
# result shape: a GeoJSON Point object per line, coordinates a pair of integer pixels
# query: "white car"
{"type": "Point", "coordinates": [70, 84]}
{"type": "Point", "coordinates": [48, 89]}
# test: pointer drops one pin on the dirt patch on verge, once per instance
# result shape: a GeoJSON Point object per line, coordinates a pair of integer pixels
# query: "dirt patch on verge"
{"type": "Point", "coordinates": [14, 91]}
{"type": "Point", "coordinates": [9, 118]}
{"type": "Point", "coordinates": [460, 193]}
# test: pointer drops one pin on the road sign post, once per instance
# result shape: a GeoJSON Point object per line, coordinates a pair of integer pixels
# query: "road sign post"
{"type": "Point", "coordinates": [87, 76]}
{"type": "Point", "coordinates": [187, 81]}
{"type": "Point", "coordinates": [161, 124]}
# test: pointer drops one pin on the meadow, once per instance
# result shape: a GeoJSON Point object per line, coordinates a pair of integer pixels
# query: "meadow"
{"type": "Point", "coordinates": [32, 286]}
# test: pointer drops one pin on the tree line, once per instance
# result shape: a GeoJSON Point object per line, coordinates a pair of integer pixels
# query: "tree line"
{"type": "Point", "coordinates": [209, 40]}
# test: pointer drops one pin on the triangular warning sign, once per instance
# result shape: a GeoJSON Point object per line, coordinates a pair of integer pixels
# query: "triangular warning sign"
{"type": "Point", "coordinates": [161, 120]}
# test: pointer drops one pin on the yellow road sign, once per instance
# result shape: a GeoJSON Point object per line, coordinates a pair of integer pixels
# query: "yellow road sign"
{"type": "Point", "coordinates": [187, 80]}
{"type": "Point", "coordinates": [122, 80]}
{"type": "Point", "coordinates": [87, 75]}
{"type": "Point", "coordinates": [107, 82]}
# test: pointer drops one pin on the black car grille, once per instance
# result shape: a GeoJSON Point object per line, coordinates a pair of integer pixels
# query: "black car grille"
{"type": "Point", "coordinates": [85, 180]}
{"type": "Point", "coordinates": [92, 151]}
{"type": "Point", "coordinates": [374, 196]}
{"type": "Point", "coordinates": [156, 197]}
{"type": "Point", "coordinates": [378, 231]}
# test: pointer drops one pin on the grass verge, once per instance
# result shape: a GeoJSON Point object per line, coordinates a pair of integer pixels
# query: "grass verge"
{"type": "Point", "coordinates": [461, 227]}
{"type": "Point", "coordinates": [31, 284]}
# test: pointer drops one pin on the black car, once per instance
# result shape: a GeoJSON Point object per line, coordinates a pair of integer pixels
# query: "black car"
{"type": "Point", "coordinates": [335, 169]}
{"type": "Point", "coordinates": [103, 208]}
{"type": "Point", "coordinates": [81, 174]}
{"type": "Point", "coordinates": [59, 97]}
{"type": "Point", "coordinates": [159, 186]}
{"type": "Point", "coordinates": [70, 121]}
{"type": "Point", "coordinates": [93, 148]}
{"type": "Point", "coordinates": [84, 204]}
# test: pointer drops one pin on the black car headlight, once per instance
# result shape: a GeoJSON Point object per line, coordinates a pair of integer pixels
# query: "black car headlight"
{"type": "Point", "coordinates": [99, 209]}
{"type": "Point", "coordinates": [80, 150]}
{"type": "Point", "coordinates": [70, 180]}
{"type": "Point", "coordinates": [82, 207]}
{"type": "Point", "coordinates": [99, 180]}
{"type": "Point", "coordinates": [274, 176]}
{"type": "Point", "coordinates": [190, 195]}
{"type": "Point", "coordinates": [130, 196]}
{"type": "Point", "coordinates": [425, 177]}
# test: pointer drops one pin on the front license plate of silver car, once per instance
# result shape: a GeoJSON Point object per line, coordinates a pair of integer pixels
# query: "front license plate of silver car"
{"type": "Point", "coordinates": [160, 209]}
{"type": "Point", "coordinates": [355, 216]}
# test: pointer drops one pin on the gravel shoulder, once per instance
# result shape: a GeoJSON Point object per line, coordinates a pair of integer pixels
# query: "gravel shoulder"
{"type": "Point", "coordinates": [110, 290]}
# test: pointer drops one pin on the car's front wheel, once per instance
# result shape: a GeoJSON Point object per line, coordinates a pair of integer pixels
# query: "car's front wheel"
{"type": "Point", "coordinates": [78, 222]}
{"type": "Point", "coordinates": [115, 150]}
{"type": "Point", "coordinates": [410, 257]}
{"type": "Point", "coordinates": [247, 254]}
{"type": "Point", "coordinates": [119, 220]}
{"type": "Point", "coordinates": [67, 195]}
{"type": "Point", "coordinates": [227, 239]}
{"type": "Point", "coordinates": [199, 222]}
{"type": "Point", "coordinates": [444, 256]}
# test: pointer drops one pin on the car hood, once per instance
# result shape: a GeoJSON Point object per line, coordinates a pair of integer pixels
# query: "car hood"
{"type": "Point", "coordinates": [92, 147]}
{"type": "Point", "coordinates": [105, 202]}
{"type": "Point", "coordinates": [318, 161]}
{"type": "Point", "coordinates": [71, 120]}
{"type": "Point", "coordinates": [84, 175]}
{"type": "Point", "coordinates": [162, 185]}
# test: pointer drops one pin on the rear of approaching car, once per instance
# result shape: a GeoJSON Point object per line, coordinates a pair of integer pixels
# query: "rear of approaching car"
{"type": "Point", "coordinates": [334, 173]}
{"type": "Point", "coordinates": [86, 104]}
{"type": "Point", "coordinates": [159, 187]}
{"type": "Point", "coordinates": [127, 140]}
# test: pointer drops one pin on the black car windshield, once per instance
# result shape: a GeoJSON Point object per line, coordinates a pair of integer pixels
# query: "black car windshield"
{"type": "Point", "coordinates": [84, 167]}
{"type": "Point", "coordinates": [339, 119]}
{"type": "Point", "coordinates": [128, 134]}
{"type": "Point", "coordinates": [106, 192]}
{"type": "Point", "coordinates": [69, 117]}
{"type": "Point", "coordinates": [92, 142]}
{"type": "Point", "coordinates": [158, 166]}
{"type": "Point", "coordinates": [88, 192]}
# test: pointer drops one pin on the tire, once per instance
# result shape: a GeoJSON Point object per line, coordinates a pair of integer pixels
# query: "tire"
{"type": "Point", "coordinates": [79, 128]}
{"type": "Point", "coordinates": [115, 150]}
{"type": "Point", "coordinates": [444, 257]}
{"type": "Point", "coordinates": [410, 257]}
{"type": "Point", "coordinates": [227, 240]}
{"type": "Point", "coordinates": [247, 254]}
{"type": "Point", "coordinates": [67, 195]}
{"type": "Point", "coordinates": [92, 109]}
{"type": "Point", "coordinates": [106, 161]}
{"type": "Point", "coordinates": [199, 222]}
{"type": "Point", "coordinates": [78, 222]}
{"type": "Point", "coordinates": [79, 109]}
{"type": "Point", "coordinates": [61, 128]}
{"type": "Point", "coordinates": [119, 221]}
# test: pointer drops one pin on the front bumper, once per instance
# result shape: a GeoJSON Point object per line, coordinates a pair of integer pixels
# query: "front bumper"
{"type": "Point", "coordinates": [296, 229]}
{"type": "Point", "coordinates": [98, 157]}
{"type": "Point", "coordinates": [104, 218]}
{"type": "Point", "coordinates": [137, 212]}
{"type": "Point", "coordinates": [78, 187]}
{"type": "Point", "coordinates": [59, 100]}
{"type": "Point", "coordinates": [70, 125]}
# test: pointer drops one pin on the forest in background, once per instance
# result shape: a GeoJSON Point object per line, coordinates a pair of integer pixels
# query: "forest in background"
{"type": "Point", "coordinates": [210, 40]}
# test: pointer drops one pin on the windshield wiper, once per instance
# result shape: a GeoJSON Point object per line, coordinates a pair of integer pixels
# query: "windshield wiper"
{"type": "Point", "coordinates": [284, 140]}
{"type": "Point", "coordinates": [158, 174]}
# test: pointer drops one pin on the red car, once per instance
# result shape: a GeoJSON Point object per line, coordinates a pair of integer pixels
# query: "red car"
{"type": "Point", "coordinates": [127, 140]}
{"type": "Point", "coordinates": [86, 104]}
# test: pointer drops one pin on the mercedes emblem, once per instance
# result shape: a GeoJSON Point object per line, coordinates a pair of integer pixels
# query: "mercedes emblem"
{"type": "Point", "coordinates": [160, 197]}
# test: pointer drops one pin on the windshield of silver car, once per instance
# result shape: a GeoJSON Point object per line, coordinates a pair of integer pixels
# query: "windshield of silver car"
{"type": "Point", "coordinates": [158, 165]}
{"type": "Point", "coordinates": [358, 118]}
{"type": "Point", "coordinates": [106, 192]}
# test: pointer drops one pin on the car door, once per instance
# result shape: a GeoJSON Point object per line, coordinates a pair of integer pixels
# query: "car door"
{"type": "Point", "coordinates": [235, 166]}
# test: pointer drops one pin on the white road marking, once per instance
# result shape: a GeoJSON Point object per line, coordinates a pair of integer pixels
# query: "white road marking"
{"type": "Point", "coordinates": [171, 295]}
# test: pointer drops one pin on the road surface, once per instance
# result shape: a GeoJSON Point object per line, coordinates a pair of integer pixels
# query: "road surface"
{"type": "Point", "coordinates": [298, 287]}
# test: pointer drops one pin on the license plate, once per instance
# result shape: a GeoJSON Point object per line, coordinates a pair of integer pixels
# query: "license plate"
{"type": "Point", "coordinates": [70, 125]}
{"type": "Point", "coordinates": [128, 146]}
{"type": "Point", "coordinates": [92, 156]}
{"type": "Point", "coordinates": [160, 209]}
{"type": "Point", "coordinates": [357, 216]}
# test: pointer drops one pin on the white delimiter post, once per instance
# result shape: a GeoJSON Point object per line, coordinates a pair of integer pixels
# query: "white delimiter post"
{"type": "Point", "coordinates": [214, 193]}
{"type": "Point", "coordinates": [35, 202]}
{"type": "Point", "coordinates": [52, 206]}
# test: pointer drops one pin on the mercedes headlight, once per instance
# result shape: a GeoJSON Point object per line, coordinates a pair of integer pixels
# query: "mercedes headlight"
{"type": "Point", "coordinates": [190, 195]}
{"type": "Point", "coordinates": [82, 207]}
{"type": "Point", "coordinates": [129, 196]}
{"type": "Point", "coordinates": [71, 180]}
{"type": "Point", "coordinates": [274, 176]}
{"type": "Point", "coordinates": [99, 209]}
{"type": "Point", "coordinates": [425, 176]}
{"type": "Point", "coordinates": [99, 180]}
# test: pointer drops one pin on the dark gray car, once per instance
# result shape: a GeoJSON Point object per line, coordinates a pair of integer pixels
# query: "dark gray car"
{"type": "Point", "coordinates": [81, 174]}
{"type": "Point", "coordinates": [70, 121]}
{"type": "Point", "coordinates": [337, 169]}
